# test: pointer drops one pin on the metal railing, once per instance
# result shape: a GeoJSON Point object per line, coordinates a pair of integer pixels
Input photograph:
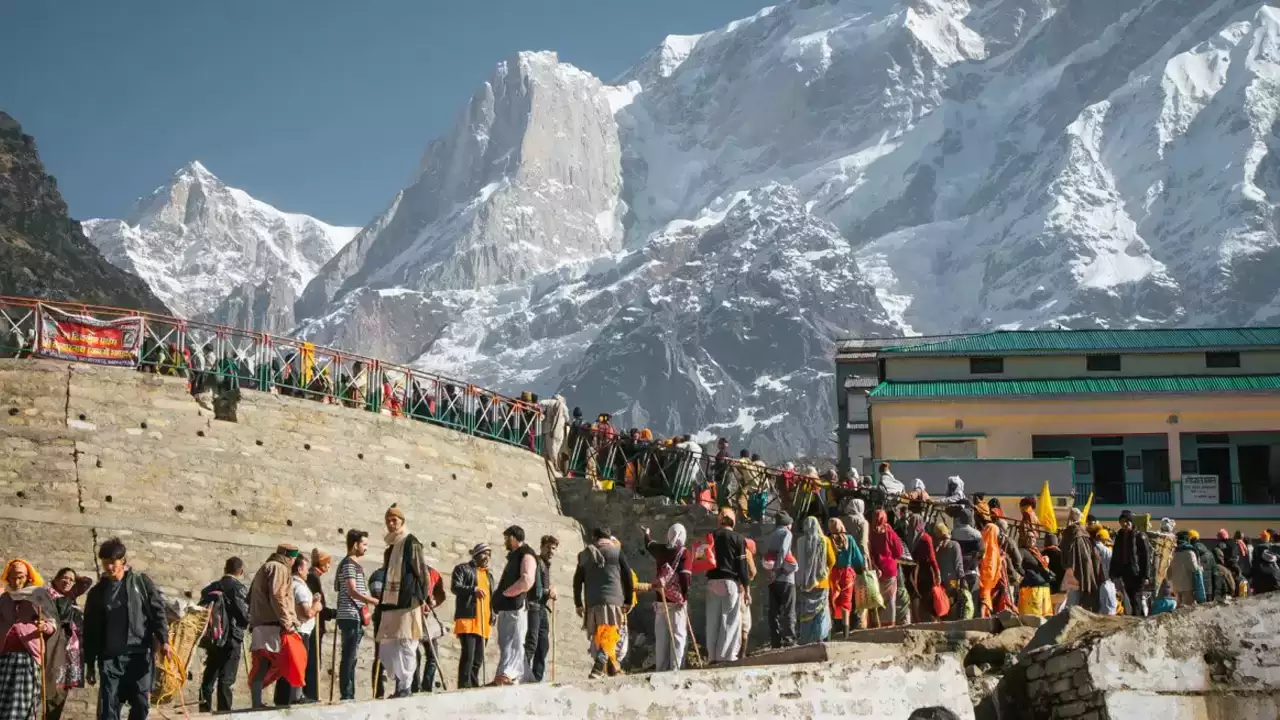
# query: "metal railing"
{"type": "Point", "coordinates": [684, 475]}
{"type": "Point", "coordinates": [1137, 494]}
{"type": "Point", "coordinates": [217, 357]}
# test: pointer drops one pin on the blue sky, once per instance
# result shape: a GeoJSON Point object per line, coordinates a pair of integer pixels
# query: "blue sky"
{"type": "Point", "coordinates": [315, 106]}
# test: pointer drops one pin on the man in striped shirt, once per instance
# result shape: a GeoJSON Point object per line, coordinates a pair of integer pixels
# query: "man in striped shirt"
{"type": "Point", "coordinates": [354, 605]}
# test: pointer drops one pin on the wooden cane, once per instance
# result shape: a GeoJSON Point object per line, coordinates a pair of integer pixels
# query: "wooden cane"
{"type": "Point", "coordinates": [333, 662]}
{"type": "Point", "coordinates": [688, 623]}
{"type": "Point", "coordinates": [554, 644]}
{"type": "Point", "coordinates": [44, 698]}
{"type": "Point", "coordinates": [377, 668]}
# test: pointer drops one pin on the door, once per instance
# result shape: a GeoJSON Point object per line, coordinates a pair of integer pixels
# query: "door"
{"type": "Point", "coordinates": [1108, 477]}
{"type": "Point", "coordinates": [1255, 473]}
{"type": "Point", "coordinates": [1217, 461]}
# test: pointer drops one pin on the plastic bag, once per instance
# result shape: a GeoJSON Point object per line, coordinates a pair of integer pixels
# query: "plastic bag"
{"type": "Point", "coordinates": [704, 554]}
{"type": "Point", "coordinates": [941, 603]}
{"type": "Point", "coordinates": [866, 592]}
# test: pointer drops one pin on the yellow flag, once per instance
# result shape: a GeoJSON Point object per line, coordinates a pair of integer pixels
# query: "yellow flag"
{"type": "Point", "coordinates": [308, 362]}
{"type": "Point", "coordinates": [1084, 514]}
{"type": "Point", "coordinates": [1044, 510]}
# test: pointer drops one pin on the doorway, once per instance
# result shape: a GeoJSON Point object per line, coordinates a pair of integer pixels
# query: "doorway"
{"type": "Point", "coordinates": [1108, 477]}
{"type": "Point", "coordinates": [1217, 461]}
{"type": "Point", "coordinates": [1255, 473]}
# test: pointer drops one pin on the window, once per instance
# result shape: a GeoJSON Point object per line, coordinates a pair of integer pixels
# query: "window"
{"type": "Point", "coordinates": [1106, 441]}
{"type": "Point", "coordinates": [986, 365]}
{"type": "Point", "coordinates": [1103, 363]}
{"type": "Point", "coordinates": [959, 449]}
{"type": "Point", "coordinates": [1222, 359]}
{"type": "Point", "coordinates": [1133, 462]}
{"type": "Point", "coordinates": [1084, 466]}
{"type": "Point", "coordinates": [1214, 439]}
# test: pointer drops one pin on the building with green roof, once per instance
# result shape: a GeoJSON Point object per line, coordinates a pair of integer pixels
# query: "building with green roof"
{"type": "Point", "coordinates": [1181, 422]}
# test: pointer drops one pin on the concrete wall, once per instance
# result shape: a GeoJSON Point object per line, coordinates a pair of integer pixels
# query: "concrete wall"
{"type": "Point", "coordinates": [879, 691]}
{"type": "Point", "coordinates": [87, 453]}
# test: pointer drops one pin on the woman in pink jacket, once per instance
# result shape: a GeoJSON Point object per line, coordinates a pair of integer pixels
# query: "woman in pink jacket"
{"type": "Point", "coordinates": [886, 548]}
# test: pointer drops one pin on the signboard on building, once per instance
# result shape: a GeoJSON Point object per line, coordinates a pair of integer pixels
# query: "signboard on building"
{"type": "Point", "coordinates": [1199, 489]}
{"type": "Point", "coordinates": [85, 339]}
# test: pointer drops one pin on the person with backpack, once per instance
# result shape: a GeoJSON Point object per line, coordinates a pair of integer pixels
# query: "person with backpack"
{"type": "Point", "coordinates": [228, 603]}
{"type": "Point", "coordinates": [673, 580]}
{"type": "Point", "coordinates": [727, 597]}
{"type": "Point", "coordinates": [124, 626]}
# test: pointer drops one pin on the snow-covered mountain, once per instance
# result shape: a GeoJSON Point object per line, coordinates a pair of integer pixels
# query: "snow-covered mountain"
{"type": "Point", "coordinates": [213, 252]}
{"type": "Point", "coordinates": [683, 245]}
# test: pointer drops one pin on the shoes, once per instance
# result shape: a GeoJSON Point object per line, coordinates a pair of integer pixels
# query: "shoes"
{"type": "Point", "coordinates": [400, 694]}
{"type": "Point", "coordinates": [597, 670]}
{"type": "Point", "coordinates": [500, 681]}
{"type": "Point", "coordinates": [205, 708]}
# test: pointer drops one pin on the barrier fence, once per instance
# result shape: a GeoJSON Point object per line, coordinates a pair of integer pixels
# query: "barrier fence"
{"type": "Point", "coordinates": [223, 359]}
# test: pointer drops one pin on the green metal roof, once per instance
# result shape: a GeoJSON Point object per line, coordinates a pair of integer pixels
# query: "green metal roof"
{"type": "Point", "coordinates": [1076, 386]}
{"type": "Point", "coordinates": [1069, 341]}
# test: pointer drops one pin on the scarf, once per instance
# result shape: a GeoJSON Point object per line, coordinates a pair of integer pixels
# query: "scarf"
{"type": "Point", "coordinates": [1083, 561]}
{"type": "Point", "coordinates": [839, 537]}
{"type": "Point", "coordinates": [811, 555]}
{"type": "Point", "coordinates": [33, 577]}
{"type": "Point", "coordinates": [676, 536]}
{"type": "Point", "coordinates": [881, 523]}
{"type": "Point", "coordinates": [395, 566]}
{"type": "Point", "coordinates": [926, 560]}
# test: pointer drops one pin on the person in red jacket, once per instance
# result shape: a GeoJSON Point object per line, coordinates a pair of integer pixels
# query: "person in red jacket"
{"type": "Point", "coordinates": [886, 548]}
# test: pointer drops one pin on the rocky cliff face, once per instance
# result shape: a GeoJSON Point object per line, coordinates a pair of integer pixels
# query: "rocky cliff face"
{"type": "Point", "coordinates": [43, 252]}
{"type": "Point", "coordinates": [215, 253]}
{"type": "Point", "coordinates": [681, 246]}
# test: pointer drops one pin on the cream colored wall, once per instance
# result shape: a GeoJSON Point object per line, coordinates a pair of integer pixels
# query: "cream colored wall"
{"type": "Point", "coordinates": [1061, 366]}
{"type": "Point", "coordinates": [1009, 425]}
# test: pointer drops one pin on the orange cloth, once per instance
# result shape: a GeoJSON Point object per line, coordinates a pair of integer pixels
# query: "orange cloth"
{"type": "Point", "coordinates": [478, 625]}
{"type": "Point", "coordinates": [989, 567]}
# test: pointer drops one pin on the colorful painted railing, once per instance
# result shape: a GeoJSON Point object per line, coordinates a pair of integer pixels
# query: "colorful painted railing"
{"type": "Point", "coordinates": [258, 361]}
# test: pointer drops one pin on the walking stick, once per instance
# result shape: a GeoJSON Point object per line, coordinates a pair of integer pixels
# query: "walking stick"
{"type": "Point", "coordinates": [44, 699]}
{"type": "Point", "coordinates": [554, 644]}
{"type": "Point", "coordinates": [693, 638]}
{"type": "Point", "coordinates": [333, 662]}
{"type": "Point", "coordinates": [377, 669]}
{"type": "Point", "coordinates": [435, 654]}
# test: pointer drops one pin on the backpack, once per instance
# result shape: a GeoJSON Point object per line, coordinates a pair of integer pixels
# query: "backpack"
{"type": "Point", "coordinates": [218, 633]}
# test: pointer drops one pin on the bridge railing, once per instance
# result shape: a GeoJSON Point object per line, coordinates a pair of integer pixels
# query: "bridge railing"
{"type": "Point", "coordinates": [213, 356]}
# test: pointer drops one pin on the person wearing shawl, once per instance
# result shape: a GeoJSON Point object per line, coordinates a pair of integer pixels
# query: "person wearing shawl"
{"type": "Point", "coordinates": [780, 563]}
{"type": "Point", "coordinates": [1266, 576]}
{"type": "Point", "coordinates": [970, 541]}
{"type": "Point", "coordinates": [1107, 604]}
{"type": "Point", "coordinates": [65, 668]}
{"type": "Point", "coordinates": [1186, 575]}
{"type": "Point", "coordinates": [1027, 506]}
{"type": "Point", "coordinates": [1165, 601]}
{"type": "Point", "coordinates": [927, 575]}
{"type": "Point", "coordinates": [853, 515]}
{"type": "Point", "coordinates": [888, 483]}
{"type": "Point", "coordinates": [815, 558]}
{"type": "Point", "coordinates": [602, 589]}
{"type": "Point", "coordinates": [1034, 597]}
{"type": "Point", "coordinates": [1208, 564]}
{"type": "Point", "coordinates": [27, 624]}
{"type": "Point", "coordinates": [273, 614]}
{"type": "Point", "coordinates": [849, 561]}
{"type": "Point", "coordinates": [917, 494]}
{"type": "Point", "coordinates": [1224, 581]}
{"type": "Point", "coordinates": [672, 582]}
{"type": "Point", "coordinates": [885, 550]}
{"type": "Point", "coordinates": [1082, 567]}
{"type": "Point", "coordinates": [951, 565]}
{"type": "Point", "coordinates": [993, 581]}
{"type": "Point", "coordinates": [401, 626]}
{"type": "Point", "coordinates": [955, 491]}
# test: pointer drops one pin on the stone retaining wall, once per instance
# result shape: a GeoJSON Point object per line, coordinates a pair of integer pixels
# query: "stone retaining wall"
{"type": "Point", "coordinates": [87, 453]}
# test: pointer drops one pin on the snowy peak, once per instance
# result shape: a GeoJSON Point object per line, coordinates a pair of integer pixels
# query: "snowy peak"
{"type": "Point", "coordinates": [197, 242]}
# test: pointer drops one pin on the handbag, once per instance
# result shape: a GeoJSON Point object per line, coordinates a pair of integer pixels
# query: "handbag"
{"type": "Point", "coordinates": [366, 615]}
{"type": "Point", "coordinates": [941, 603]}
{"type": "Point", "coordinates": [668, 582]}
{"type": "Point", "coordinates": [866, 592]}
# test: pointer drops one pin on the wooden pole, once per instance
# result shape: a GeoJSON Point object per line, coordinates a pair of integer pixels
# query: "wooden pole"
{"type": "Point", "coordinates": [670, 630]}
{"type": "Point", "coordinates": [554, 644]}
{"type": "Point", "coordinates": [44, 698]}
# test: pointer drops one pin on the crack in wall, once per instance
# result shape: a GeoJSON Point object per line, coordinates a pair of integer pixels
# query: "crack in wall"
{"type": "Point", "coordinates": [76, 452]}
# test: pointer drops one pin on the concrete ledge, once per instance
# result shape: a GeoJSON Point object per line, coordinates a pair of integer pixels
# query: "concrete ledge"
{"type": "Point", "coordinates": [873, 690]}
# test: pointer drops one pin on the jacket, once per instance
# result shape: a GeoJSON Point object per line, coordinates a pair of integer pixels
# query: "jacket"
{"type": "Point", "coordinates": [1185, 571]}
{"type": "Point", "coordinates": [462, 583]}
{"type": "Point", "coordinates": [235, 597]}
{"type": "Point", "coordinates": [1034, 573]}
{"type": "Point", "coordinates": [148, 624]}
{"type": "Point", "coordinates": [1131, 555]}
{"type": "Point", "coordinates": [778, 550]}
{"type": "Point", "coordinates": [271, 595]}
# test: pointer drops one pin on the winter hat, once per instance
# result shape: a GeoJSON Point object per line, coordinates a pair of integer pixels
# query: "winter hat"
{"type": "Point", "coordinates": [480, 549]}
{"type": "Point", "coordinates": [783, 519]}
{"type": "Point", "coordinates": [1126, 515]}
{"type": "Point", "coordinates": [1223, 534]}
{"type": "Point", "coordinates": [1193, 535]}
{"type": "Point", "coordinates": [396, 512]}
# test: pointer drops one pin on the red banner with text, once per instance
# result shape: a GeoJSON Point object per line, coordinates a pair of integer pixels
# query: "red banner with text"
{"type": "Point", "coordinates": [86, 339]}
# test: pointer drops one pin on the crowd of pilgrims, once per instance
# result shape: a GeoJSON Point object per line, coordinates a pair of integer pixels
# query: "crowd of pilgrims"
{"type": "Point", "coordinates": [879, 556]}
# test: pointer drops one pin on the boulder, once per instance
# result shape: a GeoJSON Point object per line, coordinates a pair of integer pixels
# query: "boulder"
{"type": "Point", "coordinates": [1000, 650]}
